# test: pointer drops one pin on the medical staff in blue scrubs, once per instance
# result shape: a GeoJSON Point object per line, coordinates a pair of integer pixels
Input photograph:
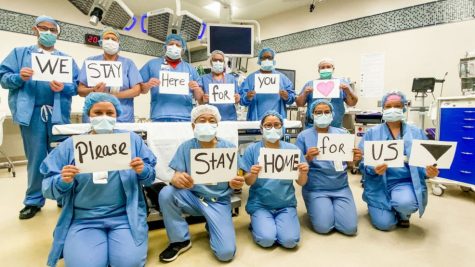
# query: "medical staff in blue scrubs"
{"type": "Point", "coordinates": [328, 198]}
{"type": "Point", "coordinates": [393, 194]}
{"type": "Point", "coordinates": [218, 75]}
{"type": "Point", "coordinates": [170, 107]}
{"type": "Point", "coordinates": [271, 203]}
{"type": "Point", "coordinates": [211, 201]}
{"type": "Point", "coordinates": [258, 104]}
{"type": "Point", "coordinates": [103, 220]}
{"type": "Point", "coordinates": [36, 105]}
{"type": "Point", "coordinates": [110, 42]}
{"type": "Point", "coordinates": [326, 68]}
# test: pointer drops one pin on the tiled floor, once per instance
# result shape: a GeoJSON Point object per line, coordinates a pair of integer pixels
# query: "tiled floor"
{"type": "Point", "coordinates": [445, 236]}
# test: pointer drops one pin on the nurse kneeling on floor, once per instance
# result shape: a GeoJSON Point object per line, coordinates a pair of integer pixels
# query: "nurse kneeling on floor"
{"type": "Point", "coordinates": [211, 201]}
{"type": "Point", "coordinates": [272, 203]}
{"type": "Point", "coordinates": [393, 194]}
{"type": "Point", "coordinates": [328, 198]}
{"type": "Point", "coordinates": [100, 224]}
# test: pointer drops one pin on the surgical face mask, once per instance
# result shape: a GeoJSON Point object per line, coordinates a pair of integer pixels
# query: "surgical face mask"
{"type": "Point", "coordinates": [326, 74]}
{"type": "Point", "coordinates": [110, 47]}
{"type": "Point", "coordinates": [103, 124]}
{"type": "Point", "coordinates": [173, 52]}
{"type": "Point", "coordinates": [272, 135]}
{"type": "Point", "coordinates": [322, 120]}
{"type": "Point", "coordinates": [393, 114]}
{"type": "Point", "coordinates": [217, 66]}
{"type": "Point", "coordinates": [205, 132]}
{"type": "Point", "coordinates": [47, 38]}
{"type": "Point", "coordinates": [267, 65]}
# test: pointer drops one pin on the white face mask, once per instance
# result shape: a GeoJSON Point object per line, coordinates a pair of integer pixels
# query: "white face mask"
{"type": "Point", "coordinates": [205, 132]}
{"type": "Point", "coordinates": [103, 124]}
{"type": "Point", "coordinates": [110, 47]}
{"type": "Point", "coordinates": [173, 52]}
{"type": "Point", "coordinates": [217, 67]}
{"type": "Point", "coordinates": [267, 65]}
{"type": "Point", "coordinates": [272, 135]}
{"type": "Point", "coordinates": [322, 120]}
{"type": "Point", "coordinates": [393, 114]}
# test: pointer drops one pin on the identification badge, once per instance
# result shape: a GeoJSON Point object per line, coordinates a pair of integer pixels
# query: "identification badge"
{"type": "Point", "coordinates": [338, 166]}
{"type": "Point", "coordinates": [100, 177]}
{"type": "Point", "coordinates": [165, 67]}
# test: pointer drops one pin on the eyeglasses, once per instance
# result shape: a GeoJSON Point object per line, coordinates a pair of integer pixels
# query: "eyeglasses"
{"type": "Point", "coordinates": [319, 112]}
{"type": "Point", "coordinates": [44, 29]}
{"type": "Point", "coordinates": [269, 126]}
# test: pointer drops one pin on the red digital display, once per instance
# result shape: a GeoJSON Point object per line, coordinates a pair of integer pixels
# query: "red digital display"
{"type": "Point", "coordinates": [92, 39]}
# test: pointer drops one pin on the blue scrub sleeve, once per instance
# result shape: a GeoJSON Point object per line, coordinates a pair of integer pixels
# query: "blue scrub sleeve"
{"type": "Point", "coordinates": [178, 162]}
{"type": "Point", "coordinates": [245, 87]}
{"type": "Point", "coordinates": [363, 168]}
{"type": "Point", "coordinates": [71, 89]}
{"type": "Point", "coordinates": [10, 71]}
{"type": "Point", "coordinates": [83, 75]}
{"type": "Point", "coordinates": [145, 72]}
{"type": "Point", "coordinates": [289, 87]}
{"type": "Point", "coordinates": [247, 160]}
{"type": "Point", "coordinates": [134, 74]}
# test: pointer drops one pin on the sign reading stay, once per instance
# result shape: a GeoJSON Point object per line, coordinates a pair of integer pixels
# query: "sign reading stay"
{"type": "Point", "coordinates": [108, 72]}
{"type": "Point", "coordinates": [213, 165]}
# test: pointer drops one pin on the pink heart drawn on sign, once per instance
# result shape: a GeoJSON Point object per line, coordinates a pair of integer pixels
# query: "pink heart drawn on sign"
{"type": "Point", "coordinates": [325, 88]}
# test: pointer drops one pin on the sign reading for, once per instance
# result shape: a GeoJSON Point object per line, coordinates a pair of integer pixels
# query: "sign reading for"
{"type": "Point", "coordinates": [50, 67]}
{"type": "Point", "coordinates": [213, 165]}
{"type": "Point", "coordinates": [221, 93]}
{"type": "Point", "coordinates": [379, 152]}
{"type": "Point", "coordinates": [267, 83]}
{"type": "Point", "coordinates": [102, 152]}
{"type": "Point", "coordinates": [279, 163]}
{"type": "Point", "coordinates": [109, 72]}
{"type": "Point", "coordinates": [335, 147]}
{"type": "Point", "coordinates": [174, 83]}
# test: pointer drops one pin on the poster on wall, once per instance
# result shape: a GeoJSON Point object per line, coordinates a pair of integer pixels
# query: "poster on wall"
{"type": "Point", "coordinates": [372, 75]}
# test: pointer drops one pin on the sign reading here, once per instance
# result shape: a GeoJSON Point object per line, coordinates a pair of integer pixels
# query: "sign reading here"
{"type": "Point", "coordinates": [174, 83]}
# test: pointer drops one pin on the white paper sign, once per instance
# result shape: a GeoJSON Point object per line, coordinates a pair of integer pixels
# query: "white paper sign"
{"type": "Point", "coordinates": [213, 165]}
{"type": "Point", "coordinates": [221, 93]}
{"type": "Point", "coordinates": [429, 152]}
{"type": "Point", "coordinates": [102, 152]}
{"type": "Point", "coordinates": [326, 88]}
{"type": "Point", "coordinates": [267, 83]}
{"type": "Point", "coordinates": [335, 147]}
{"type": "Point", "coordinates": [50, 67]}
{"type": "Point", "coordinates": [174, 83]}
{"type": "Point", "coordinates": [108, 72]}
{"type": "Point", "coordinates": [379, 152]}
{"type": "Point", "coordinates": [279, 163]}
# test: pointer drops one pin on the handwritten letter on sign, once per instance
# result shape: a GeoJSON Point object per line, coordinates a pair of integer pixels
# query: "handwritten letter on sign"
{"type": "Point", "coordinates": [221, 93]}
{"type": "Point", "coordinates": [174, 83]}
{"type": "Point", "coordinates": [335, 147]}
{"type": "Point", "coordinates": [267, 83]}
{"type": "Point", "coordinates": [279, 163]}
{"type": "Point", "coordinates": [326, 88]}
{"type": "Point", "coordinates": [429, 152]}
{"type": "Point", "coordinates": [213, 165]}
{"type": "Point", "coordinates": [109, 72]}
{"type": "Point", "coordinates": [49, 67]}
{"type": "Point", "coordinates": [379, 152]}
{"type": "Point", "coordinates": [102, 152]}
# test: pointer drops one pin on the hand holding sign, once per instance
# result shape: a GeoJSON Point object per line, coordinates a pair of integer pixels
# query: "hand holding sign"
{"type": "Point", "coordinates": [267, 83]}
{"type": "Point", "coordinates": [68, 173]}
{"type": "Point", "coordinates": [390, 153]}
{"type": "Point", "coordinates": [432, 171]}
{"type": "Point", "coordinates": [109, 72]}
{"type": "Point", "coordinates": [50, 67]}
{"type": "Point", "coordinates": [137, 165]}
{"type": "Point", "coordinates": [26, 73]}
{"type": "Point", "coordinates": [175, 83]}
{"type": "Point", "coordinates": [56, 86]}
{"type": "Point", "coordinates": [326, 88]}
{"type": "Point", "coordinates": [236, 183]}
{"type": "Point", "coordinates": [182, 180]}
{"type": "Point", "coordinates": [429, 152]}
{"type": "Point", "coordinates": [221, 93]}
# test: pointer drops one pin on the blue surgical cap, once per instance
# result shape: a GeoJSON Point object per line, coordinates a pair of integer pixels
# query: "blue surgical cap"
{"type": "Point", "coordinates": [321, 101]}
{"type": "Point", "coordinates": [272, 113]}
{"type": "Point", "coordinates": [263, 50]}
{"type": "Point", "coordinates": [49, 19]}
{"type": "Point", "coordinates": [107, 30]}
{"type": "Point", "coordinates": [176, 37]}
{"type": "Point", "coordinates": [94, 98]}
{"type": "Point", "coordinates": [398, 93]}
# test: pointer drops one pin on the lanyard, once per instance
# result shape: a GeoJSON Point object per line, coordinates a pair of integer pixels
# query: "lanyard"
{"type": "Point", "coordinates": [391, 133]}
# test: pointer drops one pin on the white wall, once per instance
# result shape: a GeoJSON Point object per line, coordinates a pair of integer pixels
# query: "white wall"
{"type": "Point", "coordinates": [64, 11]}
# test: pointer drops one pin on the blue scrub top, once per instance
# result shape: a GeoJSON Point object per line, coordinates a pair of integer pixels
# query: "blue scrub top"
{"type": "Point", "coordinates": [130, 77]}
{"type": "Point", "coordinates": [338, 105]}
{"type": "Point", "coordinates": [322, 174]}
{"type": "Point", "coordinates": [166, 106]}
{"type": "Point", "coordinates": [181, 163]}
{"type": "Point", "coordinates": [95, 201]}
{"type": "Point", "coordinates": [227, 111]}
{"type": "Point", "coordinates": [261, 103]}
{"type": "Point", "coordinates": [265, 193]}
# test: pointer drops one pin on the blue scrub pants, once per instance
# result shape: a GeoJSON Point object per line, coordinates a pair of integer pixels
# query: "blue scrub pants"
{"type": "Point", "coordinates": [103, 242]}
{"type": "Point", "coordinates": [331, 209]}
{"type": "Point", "coordinates": [281, 226]}
{"type": "Point", "coordinates": [36, 143]}
{"type": "Point", "coordinates": [404, 203]}
{"type": "Point", "coordinates": [174, 202]}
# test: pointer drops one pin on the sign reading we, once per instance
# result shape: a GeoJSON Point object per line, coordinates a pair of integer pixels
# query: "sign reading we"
{"type": "Point", "coordinates": [50, 67]}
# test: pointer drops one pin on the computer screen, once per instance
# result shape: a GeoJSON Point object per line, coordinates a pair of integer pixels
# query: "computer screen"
{"type": "Point", "coordinates": [289, 73]}
{"type": "Point", "coordinates": [423, 85]}
{"type": "Point", "coordinates": [233, 40]}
